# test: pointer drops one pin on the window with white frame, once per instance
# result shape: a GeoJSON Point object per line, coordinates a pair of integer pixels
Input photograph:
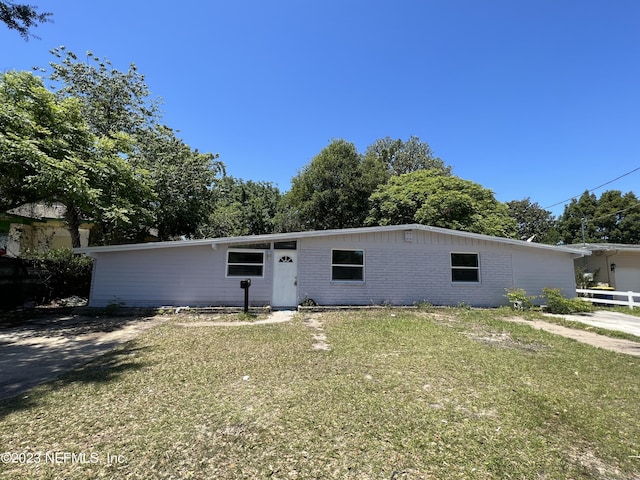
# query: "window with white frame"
{"type": "Point", "coordinates": [465, 267]}
{"type": "Point", "coordinates": [245, 263]}
{"type": "Point", "coordinates": [347, 265]}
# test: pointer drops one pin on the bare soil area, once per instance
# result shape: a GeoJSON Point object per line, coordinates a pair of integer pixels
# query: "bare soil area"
{"type": "Point", "coordinates": [41, 349]}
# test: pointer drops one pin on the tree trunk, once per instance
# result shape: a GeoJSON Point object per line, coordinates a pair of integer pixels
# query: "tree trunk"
{"type": "Point", "coordinates": [72, 219]}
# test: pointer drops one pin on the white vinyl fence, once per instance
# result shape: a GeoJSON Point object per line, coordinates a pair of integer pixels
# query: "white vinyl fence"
{"type": "Point", "coordinates": [609, 297]}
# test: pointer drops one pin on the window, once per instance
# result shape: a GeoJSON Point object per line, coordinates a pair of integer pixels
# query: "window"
{"type": "Point", "coordinates": [347, 265]}
{"type": "Point", "coordinates": [254, 246]}
{"type": "Point", "coordinates": [465, 267]}
{"type": "Point", "coordinates": [242, 263]}
{"type": "Point", "coordinates": [289, 245]}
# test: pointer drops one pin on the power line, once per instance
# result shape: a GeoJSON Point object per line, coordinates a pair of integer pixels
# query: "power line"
{"type": "Point", "coordinates": [614, 213]}
{"type": "Point", "coordinates": [594, 188]}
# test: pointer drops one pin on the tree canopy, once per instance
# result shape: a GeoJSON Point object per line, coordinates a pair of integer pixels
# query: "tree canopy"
{"type": "Point", "coordinates": [240, 207]}
{"type": "Point", "coordinates": [613, 218]}
{"type": "Point", "coordinates": [333, 190]}
{"type": "Point", "coordinates": [49, 154]}
{"type": "Point", "coordinates": [119, 104]}
{"type": "Point", "coordinates": [430, 198]}
{"type": "Point", "coordinates": [406, 156]}
{"type": "Point", "coordinates": [181, 178]}
{"type": "Point", "coordinates": [22, 17]}
{"type": "Point", "coordinates": [42, 142]}
{"type": "Point", "coordinates": [533, 222]}
{"type": "Point", "coordinates": [97, 146]}
{"type": "Point", "coordinates": [112, 101]}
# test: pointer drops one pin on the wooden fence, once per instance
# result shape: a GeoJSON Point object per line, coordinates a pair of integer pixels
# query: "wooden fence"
{"type": "Point", "coordinates": [608, 297]}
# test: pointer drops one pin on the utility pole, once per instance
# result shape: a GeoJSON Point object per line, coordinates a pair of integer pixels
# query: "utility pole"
{"type": "Point", "coordinates": [582, 226]}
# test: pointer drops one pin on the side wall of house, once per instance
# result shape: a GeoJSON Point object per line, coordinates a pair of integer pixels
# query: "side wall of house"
{"type": "Point", "coordinates": [534, 270]}
{"type": "Point", "coordinates": [404, 271]}
{"type": "Point", "coordinates": [184, 276]}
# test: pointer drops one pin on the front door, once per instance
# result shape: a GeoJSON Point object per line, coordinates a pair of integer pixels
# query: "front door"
{"type": "Point", "coordinates": [285, 272]}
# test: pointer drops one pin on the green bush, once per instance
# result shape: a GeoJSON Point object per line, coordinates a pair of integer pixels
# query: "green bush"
{"type": "Point", "coordinates": [518, 299]}
{"type": "Point", "coordinates": [61, 273]}
{"type": "Point", "coordinates": [557, 303]}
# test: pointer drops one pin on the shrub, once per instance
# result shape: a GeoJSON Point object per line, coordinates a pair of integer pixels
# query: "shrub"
{"type": "Point", "coordinates": [518, 299]}
{"type": "Point", "coordinates": [62, 273]}
{"type": "Point", "coordinates": [562, 305]}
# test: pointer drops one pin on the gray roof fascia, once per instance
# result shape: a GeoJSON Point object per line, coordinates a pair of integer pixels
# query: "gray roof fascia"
{"type": "Point", "coordinates": [247, 239]}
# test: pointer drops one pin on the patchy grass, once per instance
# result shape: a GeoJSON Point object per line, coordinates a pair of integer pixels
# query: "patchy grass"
{"type": "Point", "coordinates": [442, 393]}
{"type": "Point", "coordinates": [626, 310]}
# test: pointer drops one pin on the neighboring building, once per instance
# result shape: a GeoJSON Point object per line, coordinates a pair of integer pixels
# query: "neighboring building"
{"type": "Point", "coordinates": [36, 227]}
{"type": "Point", "coordinates": [399, 265]}
{"type": "Point", "coordinates": [613, 264]}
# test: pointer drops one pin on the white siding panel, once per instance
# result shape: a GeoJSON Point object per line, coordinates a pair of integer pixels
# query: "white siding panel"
{"type": "Point", "coordinates": [193, 276]}
{"type": "Point", "coordinates": [535, 270]}
{"type": "Point", "coordinates": [403, 273]}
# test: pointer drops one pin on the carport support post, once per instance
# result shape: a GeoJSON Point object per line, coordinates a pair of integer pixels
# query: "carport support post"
{"type": "Point", "coordinates": [245, 284]}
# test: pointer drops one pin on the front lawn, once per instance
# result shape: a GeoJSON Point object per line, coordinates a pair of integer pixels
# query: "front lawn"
{"type": "Point", "coordinates": [444, 393]}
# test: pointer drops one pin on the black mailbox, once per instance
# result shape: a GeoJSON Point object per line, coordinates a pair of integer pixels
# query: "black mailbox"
{"type": "Point", "coordinates": [245, 284]}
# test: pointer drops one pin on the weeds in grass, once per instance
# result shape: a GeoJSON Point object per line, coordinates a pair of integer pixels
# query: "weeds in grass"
{"type": "Point", "coordinates": [442, 393]}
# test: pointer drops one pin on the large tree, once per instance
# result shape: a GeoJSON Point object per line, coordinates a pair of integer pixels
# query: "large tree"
{"type": "Point", "coordinates": [406, 156]}
{"type": "Point", "coordinates": [115, 104]}
{"type": "Point", "coordinates": [112, 101]}
{"type": "Point", "coordinates": [333, 190]}
{"type": "Point", "coordinates": [22, 17]}
{"type": "Point", "coordinates": [430, 198]}
{"type": "Point", "coordinates": [572, 224]}
{"type": "Point", "coordinates": [42, 141]}
{"type": "Point", "coordinates": [613, 218]}
{"type": "Point", "coordinates": [182, 179]}
{"type": "Point", "coordinates": [241, 207]}
{"type": "Point", "coordinates": [49, 154]}
{"type": "Point", "coordinates": [533, 222]}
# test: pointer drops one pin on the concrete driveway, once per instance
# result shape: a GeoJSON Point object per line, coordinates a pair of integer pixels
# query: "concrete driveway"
{"type": "Point", "coordinates": [609, 320]}
{"type": "Point", "coordinates": [42, 349]}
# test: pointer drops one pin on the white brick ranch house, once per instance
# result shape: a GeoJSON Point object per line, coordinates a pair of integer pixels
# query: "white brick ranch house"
{"type": "Point", "coordinates": [399, 265]}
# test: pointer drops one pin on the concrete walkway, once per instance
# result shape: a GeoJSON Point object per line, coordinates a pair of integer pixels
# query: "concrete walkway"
{"type": "Point", "coordinates": [277, 316]}
{"type": "Point", "coordinates": [618, 345]}
{"type": "Point", "coordinates": [608, 320]}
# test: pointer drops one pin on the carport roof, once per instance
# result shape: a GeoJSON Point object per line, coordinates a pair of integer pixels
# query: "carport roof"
{"type": "Point", "coordinates": [608, 247]}
{"type": "Point", "coordinates": [573, 249]}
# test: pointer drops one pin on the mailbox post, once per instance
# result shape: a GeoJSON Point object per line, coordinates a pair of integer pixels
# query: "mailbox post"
{"type": "Point", "coordinates": [245, 284]}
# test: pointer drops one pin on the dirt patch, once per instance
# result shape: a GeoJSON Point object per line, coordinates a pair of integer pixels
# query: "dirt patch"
{"type": "Point", "coordinates": [607, 343]}
{"type": "Point", "coordinates": [505, 340]}
{"type": "Point", "coordinates": [40, 350]}
{"type": "Point", "coordinates": [279, 316]}
{"type": "Point", "coordinates": [318, 337]}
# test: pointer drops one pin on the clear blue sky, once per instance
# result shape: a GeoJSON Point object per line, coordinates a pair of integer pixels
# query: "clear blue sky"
{"type": "Point", "coordinates": [530, 98]}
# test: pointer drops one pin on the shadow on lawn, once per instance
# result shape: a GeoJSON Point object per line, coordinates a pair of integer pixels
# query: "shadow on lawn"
{"type": "Point", "coordinates": [57, 349]}
{"type": "Point", "coordinates": [19, 395]}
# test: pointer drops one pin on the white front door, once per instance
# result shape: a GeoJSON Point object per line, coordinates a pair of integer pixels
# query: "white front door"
{"type": "Point", "coordinates": [285, 276]}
